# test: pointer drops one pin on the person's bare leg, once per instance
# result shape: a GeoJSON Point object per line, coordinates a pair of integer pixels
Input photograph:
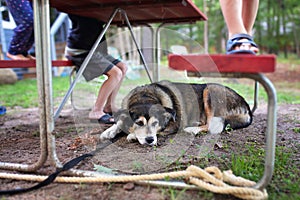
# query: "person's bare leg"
{"type": "Point", "coordinates": [114, 77]}
{"type": "Point", "coordinates": [249, 13]}
{"type": "Point", "coordinates": [232, 12]}
{"type": "Point", "coordinates": [239, 16]}
{"type": "Point", "coordinates": [110, 104]}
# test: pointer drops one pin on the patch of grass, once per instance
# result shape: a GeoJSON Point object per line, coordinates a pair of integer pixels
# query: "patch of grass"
{"type": "Point", "coordinates": [296, 129]}
{"type": "Point", "coordinates": [138, 166]}
{"type": "Point", "coordinates": [286, 174]}
{"type": "Point", "coordinates": [173, 194]}
{"type": "Point", "coordinates": [288, 97]}
{"type": "Point", "coordinates": [249, 165]}
{"type": "Point", "coordinates": [286, 180]}
{"type": "Point", "coordinates": [284, 96]}
{"type": "Point", "coordinates": [24, 92]}
{"type": "Point", "coordinates": [292, 59]}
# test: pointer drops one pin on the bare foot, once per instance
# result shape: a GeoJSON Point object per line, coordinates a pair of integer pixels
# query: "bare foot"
{"type": "Point", "coordinates": [30, 57]}
{"type": "Point", "coordinates": [101, 117]}
{"type": "Point", "coordinates": [96, 114]}
{"type": "Point", "coordinates": [17, 57]}
{"type": "Point", "coordinates": [246, 46]}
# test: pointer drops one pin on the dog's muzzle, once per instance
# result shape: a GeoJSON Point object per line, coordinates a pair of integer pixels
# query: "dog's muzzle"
{"type": "Point", "coordinates": [149, 140]}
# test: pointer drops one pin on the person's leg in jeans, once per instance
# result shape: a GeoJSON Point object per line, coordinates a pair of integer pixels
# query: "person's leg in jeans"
{"type": "Point", "coordinates": [23, 37]}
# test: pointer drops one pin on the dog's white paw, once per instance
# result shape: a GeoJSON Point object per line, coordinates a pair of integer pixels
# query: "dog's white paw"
{"type": "Point", "coordinates": [194, 129]}
{"type": "Point", "coordinates": [216, 125]}
{"type": "Point", "coordinates": [131, 137]}
{"type": "Point", "coordinates": [110, 133]}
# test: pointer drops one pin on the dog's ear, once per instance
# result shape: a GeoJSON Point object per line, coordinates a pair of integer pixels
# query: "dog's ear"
{"type": "Point", "coordinates": [166, 116]}
{"type": "Point", "coordinates": [170, 114]}
{"type": "Point", "coordinates": [124, 116]}
{"type": "Point", "coordinates": [121, 114]}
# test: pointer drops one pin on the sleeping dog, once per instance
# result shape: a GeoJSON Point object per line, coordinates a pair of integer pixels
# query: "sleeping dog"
{"type": "Point", "coordinates": [166, 107]}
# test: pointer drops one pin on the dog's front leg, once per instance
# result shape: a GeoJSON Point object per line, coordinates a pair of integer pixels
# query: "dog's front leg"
{"type": "Point", "coordinates": [111, 132]}
{"type": "Point", "coordinates": [196, 129]}
{"type": "Point", "coordinates": [131, 137]}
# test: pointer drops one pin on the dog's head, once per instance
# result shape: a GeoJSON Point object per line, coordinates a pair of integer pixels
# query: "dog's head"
{"type": "Point", "coordinates": [144, 122]}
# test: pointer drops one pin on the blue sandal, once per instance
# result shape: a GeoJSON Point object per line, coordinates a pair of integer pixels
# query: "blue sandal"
{"type": "Point", "coordinates": [235, 41]}
{"type": "Point", "coordinates": [105, 119]}
{"type": "Point", "coordinates": [2, 110]}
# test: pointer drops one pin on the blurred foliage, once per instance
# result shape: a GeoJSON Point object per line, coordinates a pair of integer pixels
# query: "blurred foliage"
{"type": "Point", "coordinates": [276, 29]}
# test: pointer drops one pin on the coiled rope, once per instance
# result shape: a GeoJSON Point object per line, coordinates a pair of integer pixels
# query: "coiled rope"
{"type": "Point", "coordinates": [211, 179]}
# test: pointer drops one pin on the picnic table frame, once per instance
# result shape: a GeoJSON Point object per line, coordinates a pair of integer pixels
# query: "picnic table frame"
{"type": "Point", "coordinates": [43, 65]}
{"type": "Point", "coordinates": [239, 66]}
{"type": "Point", "coordinates": [47, 115]}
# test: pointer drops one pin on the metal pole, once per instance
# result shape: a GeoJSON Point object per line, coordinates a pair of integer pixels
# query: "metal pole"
{"type": "Point", "coordinates": [271, 130]}
{"type": "Point", "coordinates": [53, 30]}
{"type": "Point", "coordinates": [156, 69]}
{"type": "Point", "coordinates": [136, 44]}
{"type": "Point", "coordinates": [256, 88]}
{"type": "Point", "coordinates": [44, 73]}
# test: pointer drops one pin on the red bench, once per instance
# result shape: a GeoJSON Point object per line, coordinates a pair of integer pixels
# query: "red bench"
{"type": "Point", "coordinates": [31, 63]}
{"type": "Point", "coordinates": [223, 63]}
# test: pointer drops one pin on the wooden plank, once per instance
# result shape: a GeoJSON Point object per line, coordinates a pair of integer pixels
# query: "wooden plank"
{"type": "Point", "coordinates": [241, 63]}
{"type": "Point", "coordinates": [139, 12]}
{"type": "Point", "coordinates": [31, 63]}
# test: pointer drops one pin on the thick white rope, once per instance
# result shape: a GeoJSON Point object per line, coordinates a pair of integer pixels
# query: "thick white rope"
{"type": "Point", "coordinates": [211, 179]}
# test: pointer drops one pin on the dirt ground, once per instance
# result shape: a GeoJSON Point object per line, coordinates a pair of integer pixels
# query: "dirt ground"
{"type": "Point", "coordinates": [20, 143]}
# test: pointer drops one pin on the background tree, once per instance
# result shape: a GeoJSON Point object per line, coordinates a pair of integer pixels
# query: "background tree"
{"type": "Point", "coordinates": [276, 30]}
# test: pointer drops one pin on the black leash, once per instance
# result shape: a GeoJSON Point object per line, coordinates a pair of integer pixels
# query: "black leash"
{"type": "Point", "coordinates": [69, 165]}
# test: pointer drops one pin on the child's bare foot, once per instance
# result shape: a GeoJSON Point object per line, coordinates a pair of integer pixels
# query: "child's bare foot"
{"type": "Point", "coordinates": [17, 57]}
{"type": "Point", "coordinates": [96, 114]}
{"type": "Point", "coordinates": [101, 117]}
{"type": "Point", "coordinates": [30, 57]}
{"type": "Point", "coordinates": [246, 46]}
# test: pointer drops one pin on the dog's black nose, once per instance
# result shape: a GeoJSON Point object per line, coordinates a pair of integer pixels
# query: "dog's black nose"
{"type": "Point", "coordinates": [149, 140]}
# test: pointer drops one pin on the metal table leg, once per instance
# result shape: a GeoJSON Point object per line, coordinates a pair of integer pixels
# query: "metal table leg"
{"type": "Point", "coordinates": [271, 121]}
{"type": "Point", "coordinates": [271, 129]}
{"type": "Point", "coordinates": [256, 88]}
{"type": "Point", "coordinates": [43, 64]}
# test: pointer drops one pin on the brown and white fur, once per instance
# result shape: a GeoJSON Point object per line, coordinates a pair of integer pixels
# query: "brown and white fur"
{"type": "Point", "coordinates": [167, 107]}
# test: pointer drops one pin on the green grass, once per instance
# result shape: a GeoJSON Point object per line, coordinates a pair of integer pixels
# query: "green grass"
{"type": "Point", "coordinates": [286, 178]}
{"type": "Point", "coordinates": [24, 92]}
{"type": "Point", "coordinates": [292, 58]}
{"type": "Point", "coordinates": [249, 165]}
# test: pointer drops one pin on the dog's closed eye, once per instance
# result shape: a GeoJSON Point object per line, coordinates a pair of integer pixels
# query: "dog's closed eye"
{"type": "Point", "coordinates": [141, 121]}
{"type": "Point", "coordinates": [154, 123]}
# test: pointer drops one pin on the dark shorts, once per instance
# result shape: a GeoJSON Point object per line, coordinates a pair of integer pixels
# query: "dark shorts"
{"type": "Point", "coordinates": [98, 65]}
